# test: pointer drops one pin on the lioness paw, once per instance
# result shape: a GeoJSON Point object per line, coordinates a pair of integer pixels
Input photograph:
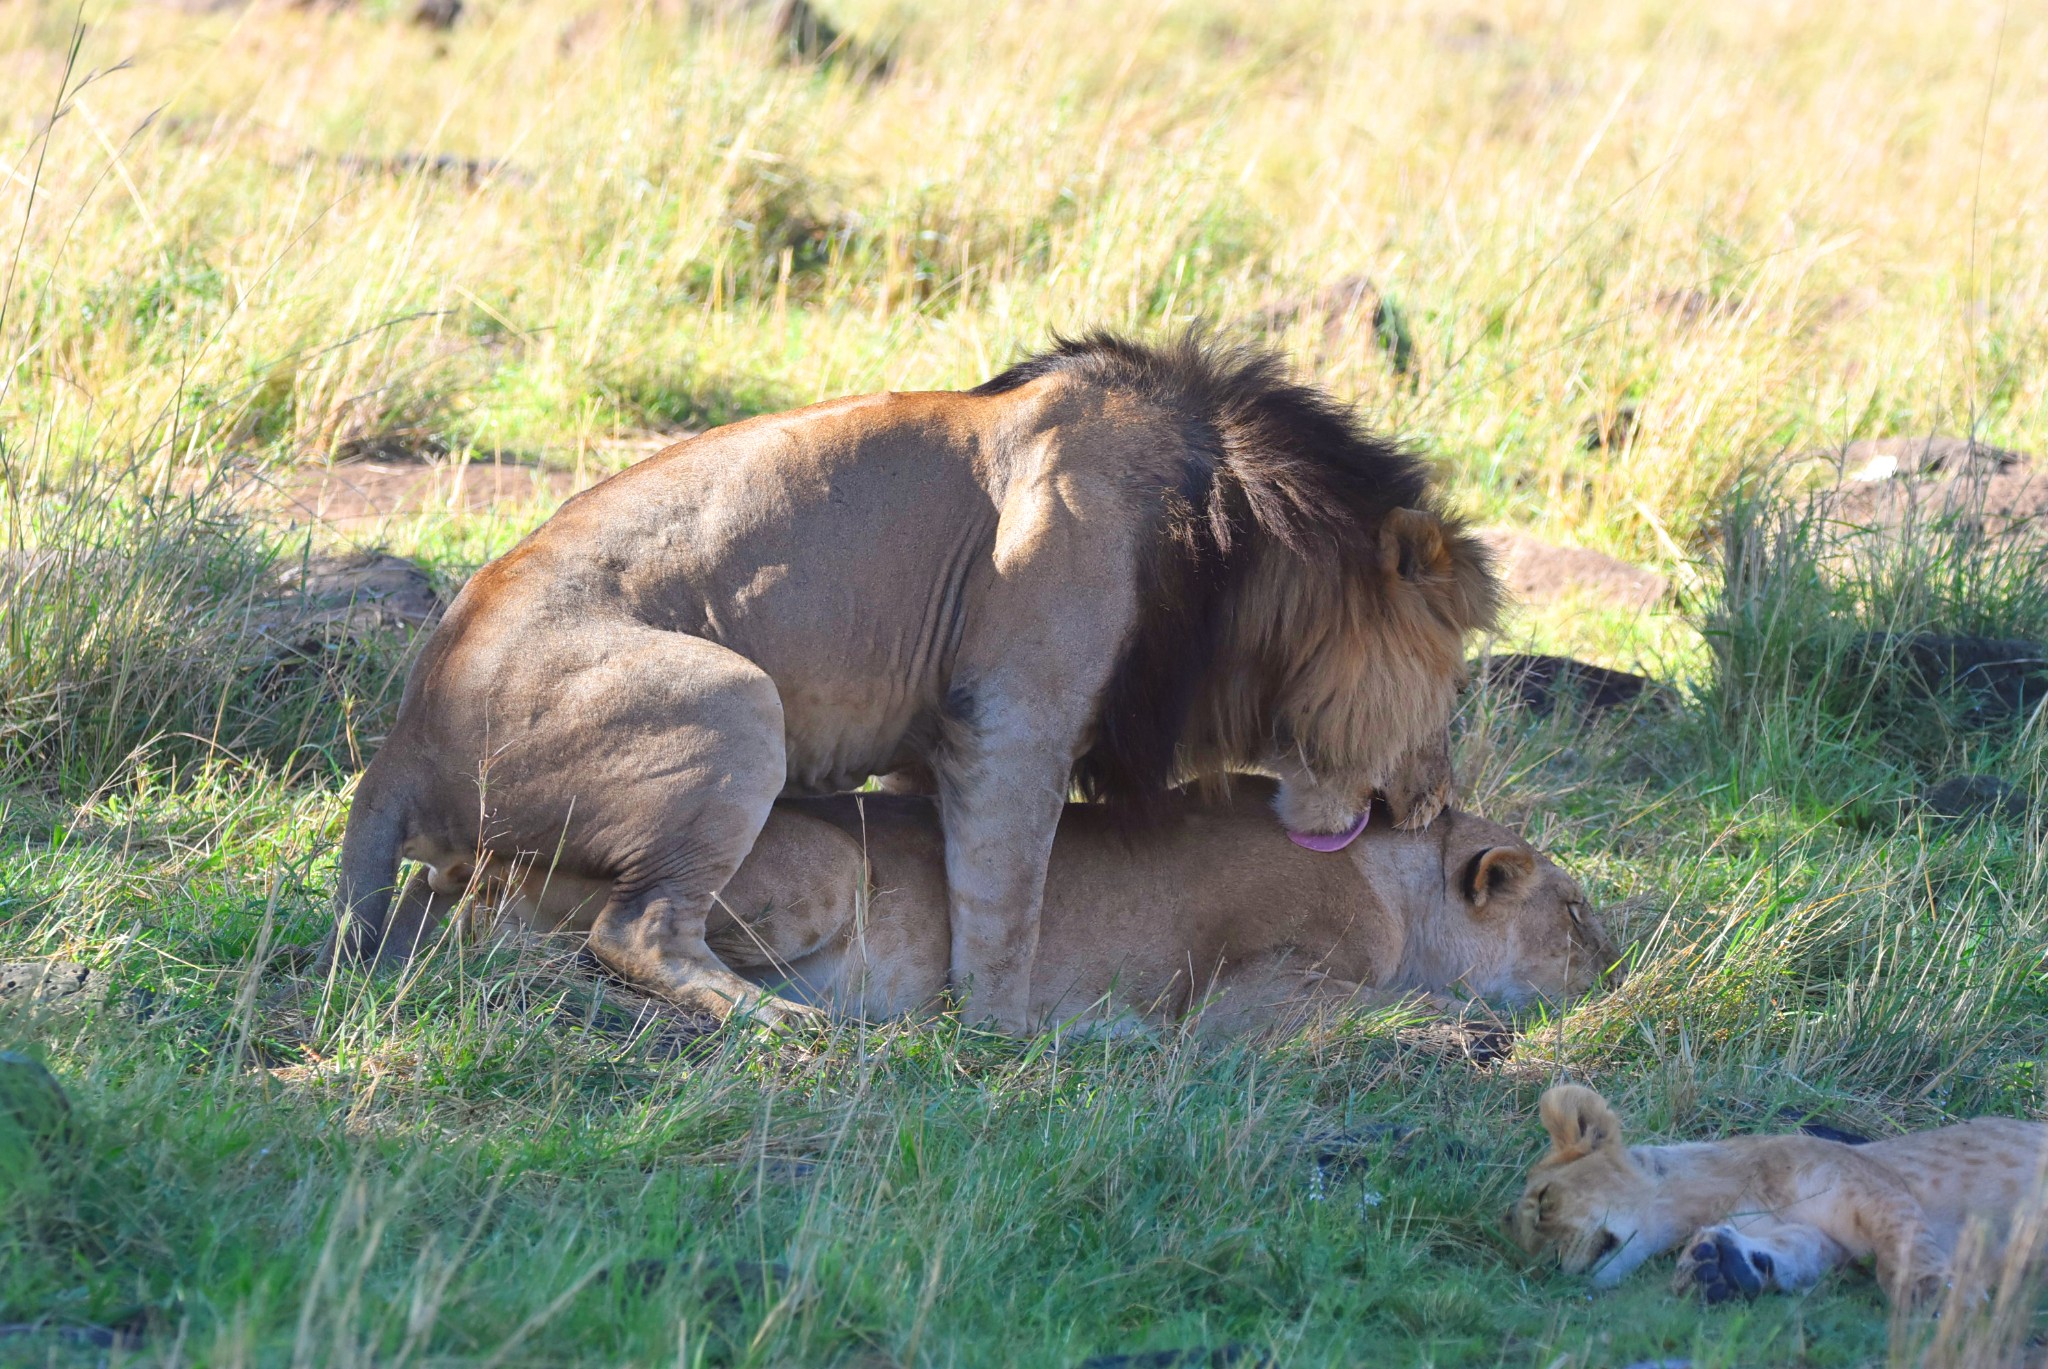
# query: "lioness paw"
{"type": "Point", "coordinates": [1720, 1265]}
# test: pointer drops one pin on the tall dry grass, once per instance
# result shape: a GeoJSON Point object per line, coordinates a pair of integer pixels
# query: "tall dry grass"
{"type": "Point", "coordinates": [1760, 227]}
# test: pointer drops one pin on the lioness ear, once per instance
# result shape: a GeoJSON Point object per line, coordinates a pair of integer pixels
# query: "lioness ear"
{"type": "Point", "coordinates": [1412, 545]}
{"type": "Point", "coordinates": [1497, 870]}
{"type": "Point", "coordinates": [1578, 1120]}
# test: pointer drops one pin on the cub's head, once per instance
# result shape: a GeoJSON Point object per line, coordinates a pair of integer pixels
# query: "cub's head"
{"type": "Point", "coordinates": [1585, 1202]}
{"type": "Point", "coordinates": [1495, 916]}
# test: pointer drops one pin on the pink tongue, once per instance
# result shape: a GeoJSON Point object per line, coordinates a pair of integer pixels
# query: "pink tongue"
{"type": "Point", "coordinates": [1334, 841]}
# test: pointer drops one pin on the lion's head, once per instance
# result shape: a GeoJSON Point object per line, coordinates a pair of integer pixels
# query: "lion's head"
{"type": "Point", "coordinates": [1307, 598]}
{"type": "Point", "coordinates": [1586, 1202]}
{"type": "Point", "coordinates": [1359, 666]}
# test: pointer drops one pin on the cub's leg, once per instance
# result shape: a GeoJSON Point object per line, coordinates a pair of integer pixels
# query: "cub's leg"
{"type": "Point", "coordinates": [1753, 1255]}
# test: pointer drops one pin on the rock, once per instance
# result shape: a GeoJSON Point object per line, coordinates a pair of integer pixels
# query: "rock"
{"type": "Point", "coordinates": [1336, 1155]}
{"type": "Point", "coordinates": [87, 1336]}
{"type": "Point", "coordinates": [1481, 1043]}
{"type": "Point", "coordinates": [1693, 305]}
{"type": "Point", "coordinates": [1541, 572]}
{"type": "Point", "coordinates": [368, 492]}
{"type": "Point", "coordinates": [33, 1105]}
{"type": "Point", "coordinates": [2002, 677]}
{"type": "Point", "coordinates": [803, 35]}
{"type": "Point", "coordinates": [402, 445]}
{"type": "Point", "coordinates": [62, 985]}
{"type": "Point", "coordinates": [1969, 796]}
{"type": "Point", "coordinates": [1609, 430]}
{"type": "Point", "coordinates": [1540, 683]}
{"type": "Point", "coordinates": [437, 14]}
{"type": "Point", "coordinates": [1823, 1131]}
{"type": "Point", "coordinates": [1349, 306]}
{"type": "Point", "coordinates": [364, 589]}
{"type": "Point", "coordinates": [1233, 1356]}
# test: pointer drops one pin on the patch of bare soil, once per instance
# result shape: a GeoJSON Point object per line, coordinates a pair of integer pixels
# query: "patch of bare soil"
{"type": "Point", "coordinates": [370, 491]}
{"type": "Point", "coordinates": [1887, 484]}
{"type": "Point", "coordinates": [1540, 572]}
{"type": "Point", "coordinates": [393, 479]}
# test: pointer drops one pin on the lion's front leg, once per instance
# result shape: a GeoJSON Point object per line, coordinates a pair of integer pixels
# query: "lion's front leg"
{"type": "Point", "coordinates": [1423, 784]}
{"type": "Point", "coordinates": [999, 806]}
{"type": "Point", "coordinates": [1752, 1256]}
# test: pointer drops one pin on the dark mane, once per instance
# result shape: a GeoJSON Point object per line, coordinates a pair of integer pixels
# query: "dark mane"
{"type": "Point", "coordinates": [1266, 465]}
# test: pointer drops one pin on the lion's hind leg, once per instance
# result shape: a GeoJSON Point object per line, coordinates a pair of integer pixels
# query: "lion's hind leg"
{"type": "Point", "coordinates": [1753, 1255]}
{"type": "Point", "coordinates": [671, 769]}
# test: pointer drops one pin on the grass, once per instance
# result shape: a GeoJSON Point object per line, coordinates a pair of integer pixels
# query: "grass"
{"type": "Point", "coordinates": [1765, 230]}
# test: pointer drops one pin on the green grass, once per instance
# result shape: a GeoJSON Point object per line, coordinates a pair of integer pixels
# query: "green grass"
{"type": "Point", "coordinates": [490, 1162]}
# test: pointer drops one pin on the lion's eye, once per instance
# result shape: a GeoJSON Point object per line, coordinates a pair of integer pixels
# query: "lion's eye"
{"type": "Point", "coordinates": [1578, 913]}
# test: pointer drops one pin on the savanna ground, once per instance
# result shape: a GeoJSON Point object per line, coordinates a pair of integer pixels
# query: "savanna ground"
{"type": "Point", "coordinates": [1758, 229]}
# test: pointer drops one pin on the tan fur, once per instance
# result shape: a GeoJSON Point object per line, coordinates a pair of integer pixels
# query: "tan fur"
{"type": "Point", "coordinates": [842, 904]}
{"type": "Point", "coordinates": [901, 582]}
{"type": "Point", "coordinates": [1789, 1208]}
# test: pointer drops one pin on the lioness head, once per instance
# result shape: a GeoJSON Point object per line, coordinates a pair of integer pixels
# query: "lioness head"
{"type": "Point", "coordinates": [1586, 1201]}
{"type": "Point", "coordinates": [1508, 923]}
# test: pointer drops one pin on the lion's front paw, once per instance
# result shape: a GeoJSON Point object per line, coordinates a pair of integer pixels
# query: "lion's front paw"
{"type": "Point", "coordinates": [1719, 1265]}
{"type": "Point", "coordinates": [1417, 811]}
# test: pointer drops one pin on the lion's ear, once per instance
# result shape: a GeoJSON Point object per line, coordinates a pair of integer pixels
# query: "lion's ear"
{"type": "Point", "coordinates": [1497, 870]}
{"type": "Point", "coordinates": [1578, 1120]}
{"type": "Point", "coordinates": [1412, 545]}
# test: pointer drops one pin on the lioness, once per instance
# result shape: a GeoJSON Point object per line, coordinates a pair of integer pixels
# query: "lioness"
{"type": "Point", "coordinates": [842, 904]}
{"type": "Point", "coordinates": [1761, 1212]}
{"type": "Point", "coordinates": [1112, 565]}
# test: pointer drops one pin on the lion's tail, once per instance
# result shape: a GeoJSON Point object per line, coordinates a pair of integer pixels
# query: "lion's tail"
{"type": "Point", "coordinates": [379, 821]}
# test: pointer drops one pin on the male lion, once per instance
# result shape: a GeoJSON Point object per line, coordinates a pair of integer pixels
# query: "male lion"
{"type": "Point", "coordinates": [1760, 1212]}
{"type": "Point", "coordinates": [842, 904]}
{"type": "Point", "coordinates": [1112, 565]}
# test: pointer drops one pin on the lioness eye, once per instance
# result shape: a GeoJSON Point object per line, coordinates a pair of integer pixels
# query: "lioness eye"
{"type": "Point", "coordinates": [1578, 912]}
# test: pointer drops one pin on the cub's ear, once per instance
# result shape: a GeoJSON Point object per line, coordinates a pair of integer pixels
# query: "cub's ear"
{"type": "Point", "coordinates": [1497, 870]}
{"type": "Point", "coordinates": [1412, 545]}
{"type": "Point", "coordinates": [1579, 1122]}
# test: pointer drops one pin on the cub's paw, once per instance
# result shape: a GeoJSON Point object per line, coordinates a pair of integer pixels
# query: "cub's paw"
{"type": "Point", "coordinates": [1719, 1264]}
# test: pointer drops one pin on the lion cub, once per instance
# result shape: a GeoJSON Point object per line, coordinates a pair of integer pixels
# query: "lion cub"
{"type": "Point", "coordinates": [1754, 1213]}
